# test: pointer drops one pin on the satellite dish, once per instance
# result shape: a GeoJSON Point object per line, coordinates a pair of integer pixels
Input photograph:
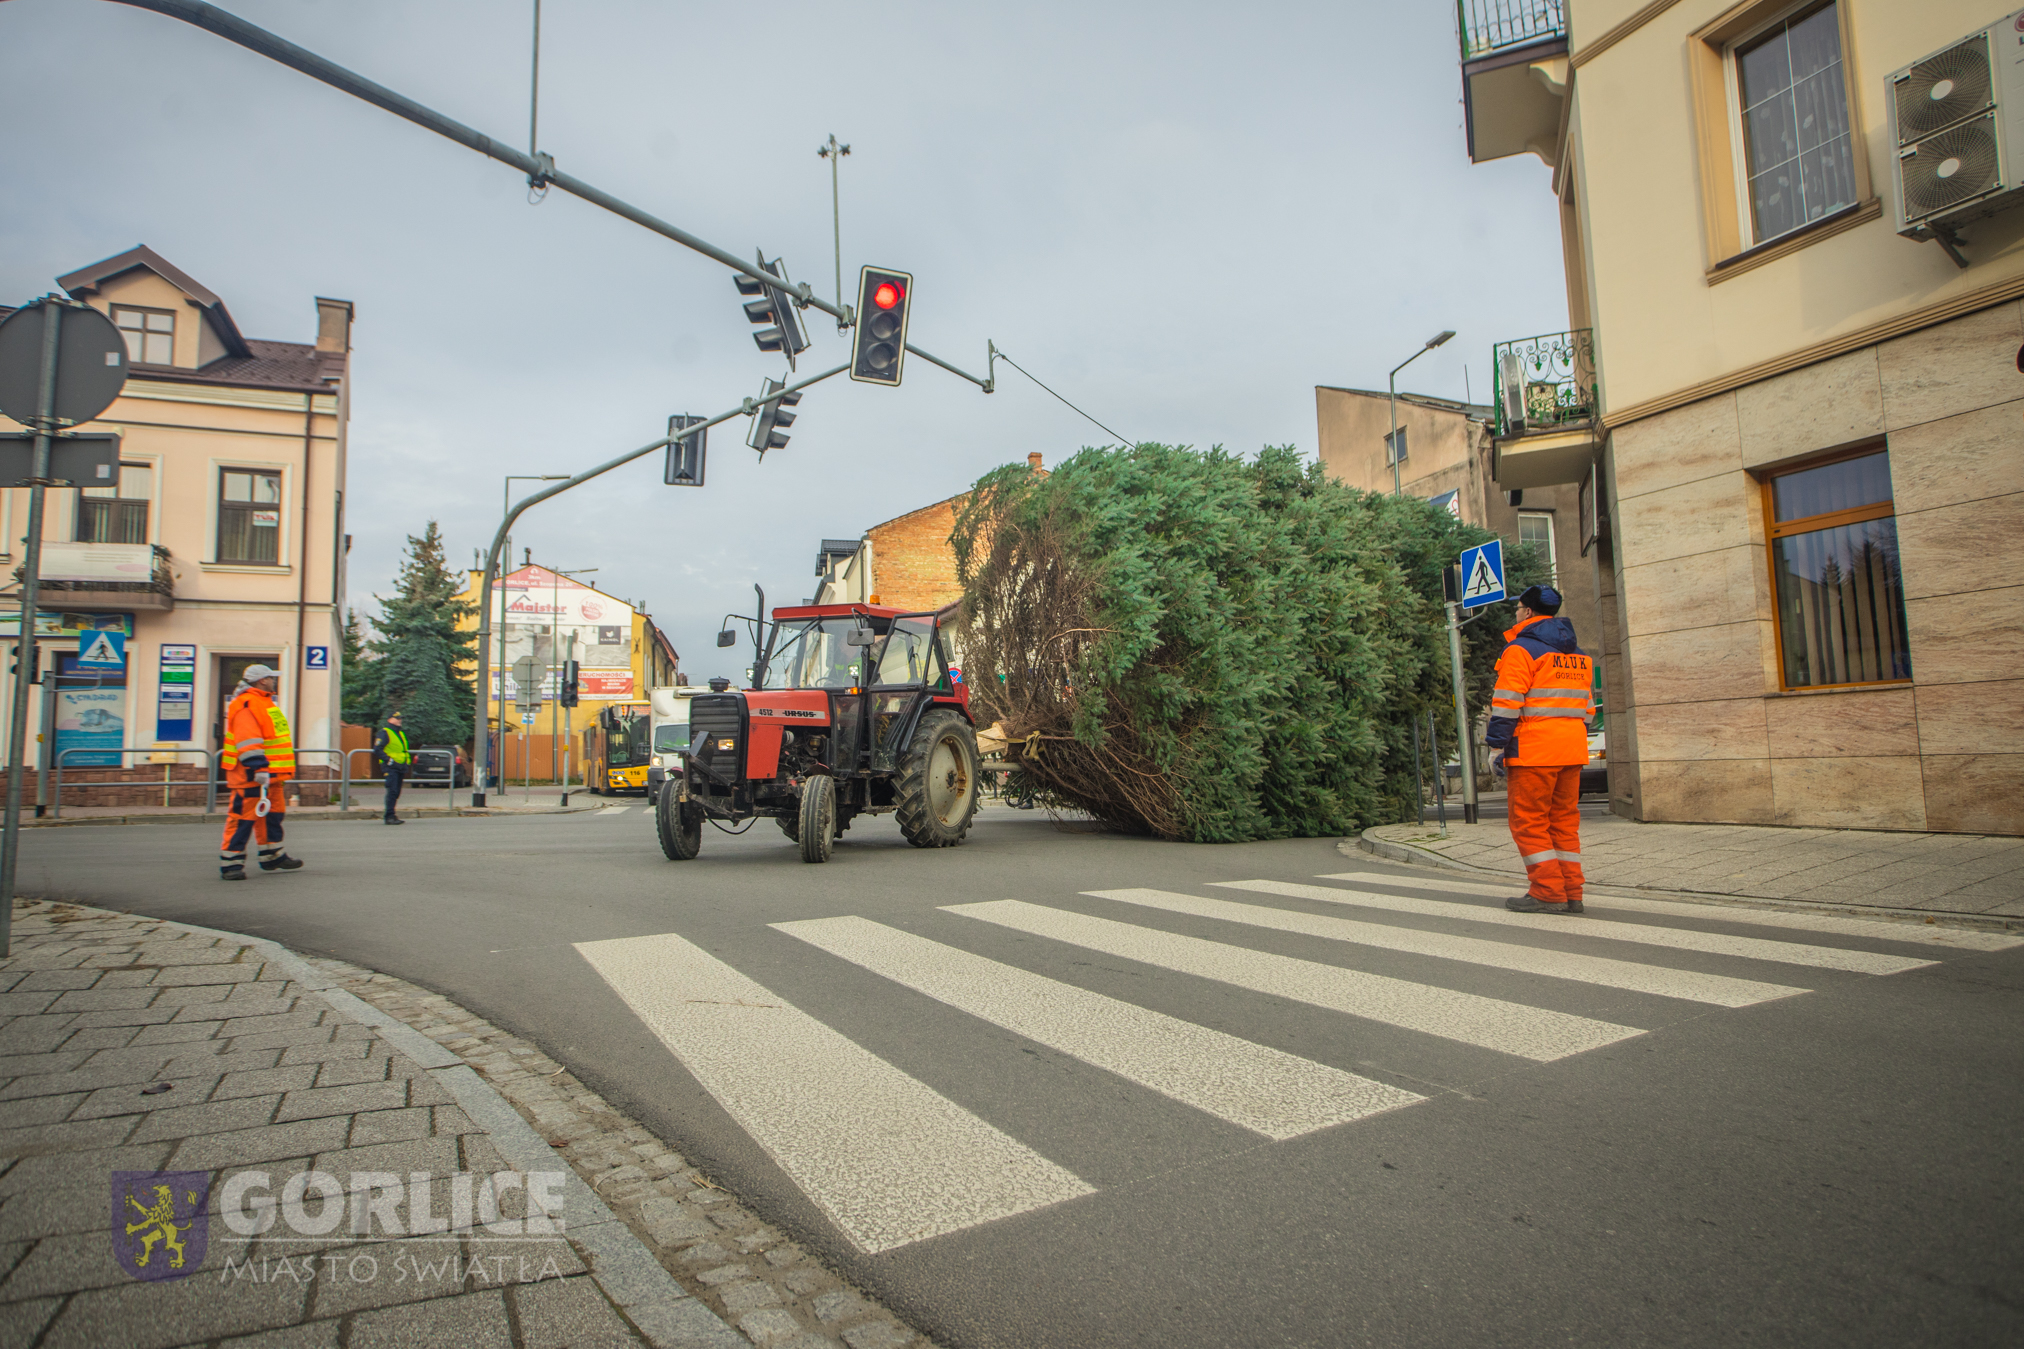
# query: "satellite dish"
{"type": "Point", "coordinates": [91, 363]}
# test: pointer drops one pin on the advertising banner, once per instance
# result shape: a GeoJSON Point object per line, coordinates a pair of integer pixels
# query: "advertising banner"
{"type": "Point", "coordinates": [89, 719]}
{"type": "Point", "coordinates": [605, 684]}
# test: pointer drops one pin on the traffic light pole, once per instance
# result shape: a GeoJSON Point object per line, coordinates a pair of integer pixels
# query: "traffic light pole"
{"type": "Point", "coordinates": [24, 633]}
{"type": "Point", "coordinates": [478, 752]}
{"type": "Point", "coordinates": [539, 167]}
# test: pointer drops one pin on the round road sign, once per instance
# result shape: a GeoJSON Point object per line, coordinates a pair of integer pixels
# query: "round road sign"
{"type": "Point", "coordinates": [91, 363]}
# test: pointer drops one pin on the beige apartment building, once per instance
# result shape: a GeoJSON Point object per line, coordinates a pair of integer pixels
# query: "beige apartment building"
{"type": "Point", "coordinates": [1794, 377]}
{"type": "Point", "coordinates": [1447, 461]}
{"type": "Point", "coordinates": [220, 545]}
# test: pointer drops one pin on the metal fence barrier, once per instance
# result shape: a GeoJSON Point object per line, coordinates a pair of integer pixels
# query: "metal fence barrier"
{"type": "Point", "coordinates": [213, 778]}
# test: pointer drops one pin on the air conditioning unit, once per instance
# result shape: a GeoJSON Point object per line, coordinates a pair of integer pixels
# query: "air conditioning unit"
{"type": "Point", "coordinates": [1958, 116]}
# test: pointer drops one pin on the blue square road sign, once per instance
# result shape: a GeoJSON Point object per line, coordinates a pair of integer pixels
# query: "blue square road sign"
{"type": "Point", "coordinates": [101, 650]}
{"type": "Point", "coordinates": [1483, 574]}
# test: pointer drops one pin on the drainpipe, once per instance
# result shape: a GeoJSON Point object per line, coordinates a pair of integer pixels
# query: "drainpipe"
{"type": "Point", "coordinates": [302, 569]}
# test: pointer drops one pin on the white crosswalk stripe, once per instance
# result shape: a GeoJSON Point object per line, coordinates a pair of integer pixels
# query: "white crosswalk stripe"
{"type": "Point", "coordinates": [1265, 1090]}
{"type": "Point", "coordinates": [610, 811]}
{"type": "Point", "coordinates": [1691, 985]}
{"type": "Point", "coordinates": [1827, 924]}
{"type": "Point", "coordinates": [1529, 1032]}
{"type": "Point", "coordinates": [890, 1160]}
{"type": "Point", "coordinates": [1712, 943]}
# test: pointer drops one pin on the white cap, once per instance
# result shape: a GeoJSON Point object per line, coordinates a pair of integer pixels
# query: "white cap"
{"type": "Point", "coordinates": [253, 674]}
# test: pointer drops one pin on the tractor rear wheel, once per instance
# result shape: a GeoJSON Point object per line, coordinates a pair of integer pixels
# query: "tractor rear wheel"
{"type": "Point", "coordinates": [935, 796]}
{"type": "Point", "coordinates": [680, 827]}
{"type": "Point", "coordinates": [817, 825]}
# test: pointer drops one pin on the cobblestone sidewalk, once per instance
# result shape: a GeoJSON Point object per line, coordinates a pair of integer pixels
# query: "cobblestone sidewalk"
{"type": "Point", "coordinates": [204, 1140]}
{"type": "Point", "coordinates": [1932, 873]}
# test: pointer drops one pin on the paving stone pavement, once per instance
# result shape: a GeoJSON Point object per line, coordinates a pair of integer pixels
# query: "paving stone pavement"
{"type": "Point", "coordinates": [355, 1161]}
{"type": "Point", "coordinates": [1961, 874]}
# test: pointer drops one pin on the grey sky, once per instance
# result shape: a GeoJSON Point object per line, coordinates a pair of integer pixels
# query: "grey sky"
{"type": "Point", "coordinates": [1182, 216]}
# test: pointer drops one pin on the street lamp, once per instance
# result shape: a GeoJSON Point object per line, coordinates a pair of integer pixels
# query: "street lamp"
{"type": "Point", "coordinates": [1432, 342]}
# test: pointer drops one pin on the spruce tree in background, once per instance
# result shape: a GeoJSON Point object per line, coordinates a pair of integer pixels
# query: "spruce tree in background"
{"type": "Point", "coordinates": [361, 675]}
{"type": "Point", "coordinates": [1207, 648]}
{"type": "Point", "coordinates": [420, 655]}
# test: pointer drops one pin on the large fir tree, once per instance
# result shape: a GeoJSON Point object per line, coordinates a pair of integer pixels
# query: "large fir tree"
{"type": "Point", "coordinates": [1211, 648]}
{"type": "Point", "coordinates": [420, 657]}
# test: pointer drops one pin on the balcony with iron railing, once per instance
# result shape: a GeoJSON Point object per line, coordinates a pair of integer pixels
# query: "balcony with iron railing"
{"type": "Point", "coordinates": [95, 576]}
{"type": "Point", "coordinates": [1488, 26]}
{"type": "Point", "coordinates": [1514, 76]}
{"type": "Point", "coordinates": [1547, 400]}
{"type": "Point", "coordinates": [1545, 383]}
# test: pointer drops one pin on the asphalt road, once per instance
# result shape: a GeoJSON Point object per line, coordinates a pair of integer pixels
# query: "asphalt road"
{"type": "Point", "coordinates": [1835, 1166]}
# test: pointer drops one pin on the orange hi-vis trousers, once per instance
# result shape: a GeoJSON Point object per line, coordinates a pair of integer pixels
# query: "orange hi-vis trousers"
{"type": "Point", "coordinates": [1545, 811]}
{"type": "Point", "coordinates": [243, 822]}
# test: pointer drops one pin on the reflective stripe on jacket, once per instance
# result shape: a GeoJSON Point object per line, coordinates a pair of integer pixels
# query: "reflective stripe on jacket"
{"type": "Point", "coordinates": [1544, 699]}
{"type": "Point", "coordinates": [256, 736]}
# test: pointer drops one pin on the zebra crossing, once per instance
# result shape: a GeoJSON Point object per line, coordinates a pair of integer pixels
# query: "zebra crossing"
{"type": "Point", "coordinates": [890, 1160]}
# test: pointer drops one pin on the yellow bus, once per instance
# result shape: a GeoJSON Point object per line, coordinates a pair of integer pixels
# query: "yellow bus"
{"type": "Point", "coordinates": [617, 748]}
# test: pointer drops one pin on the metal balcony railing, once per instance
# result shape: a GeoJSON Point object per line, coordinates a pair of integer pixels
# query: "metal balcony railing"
{"type": "Point", "coordinates": [1545, 381]}
{"type": "Point", "coordinates": [1491, 25]}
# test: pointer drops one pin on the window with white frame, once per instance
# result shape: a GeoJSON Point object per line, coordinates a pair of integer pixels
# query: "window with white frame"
{"type": "Point", "coordinates": [150, 334]}
{"type": "Point", "coordinates": [1535, 530]}
{"type": "Point", "coordinates": [119, 513]}
{"type": "Point", "coordinates": [249, 516]}
{"type": "Point", "coordinates": [1790, 99]}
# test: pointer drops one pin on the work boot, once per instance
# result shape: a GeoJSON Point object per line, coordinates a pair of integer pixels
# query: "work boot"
{"type": "Point", "coordinates": [1573, 906]}
{"type": "Point", "coordinates": [282, 863]}
{"type": "Point", "coordinates": [395, 819]}
{"type": "Point", "coordinates": [1527, 904]}
{"type": "Point", "coordinates": [236, 874]}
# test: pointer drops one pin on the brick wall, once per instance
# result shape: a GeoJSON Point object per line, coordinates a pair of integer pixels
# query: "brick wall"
{"type": "Point", "coordinates": [913, 565]}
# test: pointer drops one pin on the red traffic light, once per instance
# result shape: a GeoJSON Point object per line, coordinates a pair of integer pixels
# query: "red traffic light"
{"type": "Point", "coordinates": [886, 296]}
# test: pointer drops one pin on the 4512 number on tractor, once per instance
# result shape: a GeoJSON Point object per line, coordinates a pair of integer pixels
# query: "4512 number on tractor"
{"type": "Point", "coordinates": [853, 710]}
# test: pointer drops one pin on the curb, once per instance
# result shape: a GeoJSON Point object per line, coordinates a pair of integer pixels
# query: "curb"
{"type": "Point", "coordinates": [304, 817]}
{"type": "Point", "coordinates": [659, 1308]}
{"type": "Point", "coordinates": [1407, 853]}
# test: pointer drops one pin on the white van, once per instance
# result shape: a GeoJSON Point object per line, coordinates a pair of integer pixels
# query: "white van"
{"type": "Point", "coordinates": [670, 708]}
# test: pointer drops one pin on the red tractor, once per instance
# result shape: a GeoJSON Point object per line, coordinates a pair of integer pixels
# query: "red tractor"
{"type": "Point", "coordinates": [853, 710]}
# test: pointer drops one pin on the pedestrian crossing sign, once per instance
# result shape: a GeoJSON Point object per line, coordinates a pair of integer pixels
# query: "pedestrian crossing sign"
{"type": "Point", "coordinates": [1482, 574]}
{"type": "Point", "coordinates": [102, 650]}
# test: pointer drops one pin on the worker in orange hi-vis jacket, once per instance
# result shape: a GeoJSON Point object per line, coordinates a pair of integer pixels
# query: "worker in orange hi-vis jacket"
{"type": "Point", "coordinates": [1539, 715]}
{"type": "Point", "coordinates": [258, 760]}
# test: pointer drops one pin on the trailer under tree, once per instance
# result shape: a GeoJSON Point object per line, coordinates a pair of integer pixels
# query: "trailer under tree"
{"type": "Point", "coordinates": [854, 710]}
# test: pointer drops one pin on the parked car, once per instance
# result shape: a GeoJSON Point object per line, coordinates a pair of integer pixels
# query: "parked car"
{"type": "Point", "coordinates": [1595, 773]}
{"type": "Point", "coordinates": [439, 766]}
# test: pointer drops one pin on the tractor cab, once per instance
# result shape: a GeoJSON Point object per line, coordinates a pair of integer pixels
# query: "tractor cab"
{"type": "Point", "coordinates": [854, 709]}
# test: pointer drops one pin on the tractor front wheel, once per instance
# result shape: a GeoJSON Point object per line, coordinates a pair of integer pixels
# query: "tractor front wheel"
{"type": "Point", "coordinates": [680, 827]}
{"type": "Point", "coordinates": [935, 795]}
{"type": "Point", "coordinates": [817, 824]}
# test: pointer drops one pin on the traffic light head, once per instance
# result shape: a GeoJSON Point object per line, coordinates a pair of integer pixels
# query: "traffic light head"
{"type": "Point", "coordinates": [770, 423]}
{"type": "Point", "coordinates": [566, 695]}
{"type": "Point", "coordinates": [879, 349]}
{"type": "Point", "coordinates": [685, 456]}
{"type": "Point", "coordinates": [772, 307]}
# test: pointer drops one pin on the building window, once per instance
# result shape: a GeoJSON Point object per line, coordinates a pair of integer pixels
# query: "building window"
{"type": "Point", "coordinates": [118, 514]}
{"type": "Point", "coordinates": [1536, 531]}
{"type": "Point", "coordinates": [1834, 561]}
{"type": "Point", "coordinates": [1793, 114]}
{"type": "Point", "coordinates": [249, 516]}
{"type": "Point", "coordinates": [150, 334]}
